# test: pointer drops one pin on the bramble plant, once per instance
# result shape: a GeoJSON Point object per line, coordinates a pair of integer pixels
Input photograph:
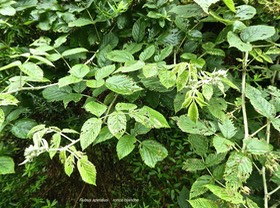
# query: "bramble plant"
{"type": "Point", "coordinates": [76, 75]}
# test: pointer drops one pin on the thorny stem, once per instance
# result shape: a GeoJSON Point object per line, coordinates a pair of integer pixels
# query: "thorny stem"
{"type": "Point", "coordinates": [244, 112]}
{"type": "Point", "coordinates": [266, 195]}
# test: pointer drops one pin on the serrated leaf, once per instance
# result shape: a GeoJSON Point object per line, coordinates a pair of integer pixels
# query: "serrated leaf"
{"type": "Point", "coordinates": [43, 60]}
{"type": "Point", "coordinates": [188, 126]}
{"type": "Point", "coordinates": [125, 146]}
{"type": "Point", "coordinates": [260, 104]}
{"type": "Point", "coordinates": [227, 195]}
{"type": "Point", "coordinates": [214, 159]}
{"type": "Point", "coordinates": [7, 165]}
{"type": "Point", "coordinates": [69, 165]}
{"type": "Point", "coordinates": [202, 203]}
{"type": "Point", "coordinates": [164, 53]}
{"type": "Point", "coordinates": [120, 56]}
{"type": "Point", "coordinates": [222, 145]}
{"type": "Point", "coordinates": [60, 40]}
{"type": "Point", "coordinates": [104, 71]}
{"type": "Point", "coordinates": [257, 32]}
{"type": "Point", "coordinates": [138, 29]}
{"type": "Point", "coordinates": [199, 144]}
{"type": "Point", "coordinates": [227, 128]}
{"type": "Point", "coordinates": [74, 51]}
{"type": "Point", "coordinates": [193, 112]}
{"type": "Point", "coordinates": [193, 165]}
{"type": "Point", "coordinates": [87, 170]}
{"type": "Point", "coordinates": [156, 119]}
{"type": "Point", "coordinates": [32, 70]}
{"type": "Point", "coordinates": [117, 123]}
{"type": "Point", "coordinates": [147, 53]}
{"type": "Point", "coordinates": [217, 107]}
{"type": "Point", "coordinates": [276, 124]}
{"type": "Point", "coordinates": [90, 131]}
{"type": "Point", "coordinates": [235, 41]}
{"type": "Point", "coordinates": [187, 11]}
{"type": "Point", "coordinates": [79, 70]}
{"type": "Point", "coordinates": [95, 108]}
{"type": "Point", "coordinates": [152, 152]}
{"type": "Point", "coordinates": [205, 4]}
{"type": "Point", "coordinates": [122, 84]}
{"type": "Point", "coordinates": [258, 147]}
{"type": "Point", "coordinates": [198, 188]}
{"type": "Point", "coordinates": [55, 143]}
{"type": "Point", "coordinates": [238, 169]}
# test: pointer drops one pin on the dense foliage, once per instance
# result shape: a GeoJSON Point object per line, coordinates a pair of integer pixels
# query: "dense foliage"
{"type": "Point", "coordinates": [157, 103]}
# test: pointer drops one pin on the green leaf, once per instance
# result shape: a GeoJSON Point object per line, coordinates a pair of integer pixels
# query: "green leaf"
{"type": "Point", "coordinates": [193, 112]}
{"type": "Point", "coordinates": [217, 107]}
{"type": "Point", "coordinates": [245, 12]}
{"type": "Point", "coordinates": [135, 66]}
{"type": "Point", "coordinates": [138, 29]}
{"type": "Point", "coordinates": [198, 188]}
{"type": "Point", "coordinates": [214, 159]}
{"type": "Point", "coordinates": [258, 147]}
{"type": "Point", "coordinates": [167, 78]}
{"type": "Point", "coordinates": [42, 59]}
{"type": "Point", "coordinates": [152, 152]}
{"type": "Point", "coordinates": [193, 164]}
{"type": "Point", "coordinates": [60, 40]}
{"type": "Point", "coordinates": [32, 70]}
{"type": "Point", "coordinates": [64, 81]}
{"type": "Point", "coordinates": [117, 124]}
{"type": "Point", "coordinates": [150, 70]}
{"type": "Point", "coordinates": [221, 144]}
{"type": "Point", "coordinates": [55, 143]}
{"type": "Point", "coordinates": [80, 22]}
{"type": "Point", "coordinates": [74, 51]}
{"type": "Point", "coordinates": [11, 65]}
{"type": "Point", "coordinates": [2, 117]}
{"type": "Point", "coordinates": [261, 105]}
{"type": "Point", "coordinates": [276, 124]}
{"type": "Point", "coordinates": [95, 83]}
{"type": "Point", "coordinates": [14, 115]}
{"type": "Point", "coordinates": [79, 70]}
{"type": "Point", "coordinates": [7, 165]}
{"type": "Point", "coordinates": [227, 128]}
{"type": "Point", "coordinates": [188, 126]}
{"type": "Point", "coordinates": [187, 11]}
{"type": "Point", "coordinates": [69, 165]}
{"type": "Point", "coordinates": [122, 84]}
{"type": "Point", "coordinates": [238, 169]}
{"type": "Point", "coordinates": [199, 144]}
{"type": "Point", "coordinates": [164, 53]}
{"type": "Point", "coordinates": [125, 106]}
{"type": "Point", "coordinates": [155, 118]}
{"type": "Point", "coordinates": [251, 204]}
{"type": "Point", "coordinates": [7, 11]}
{"type": "Point", "coordinates": [104, 135]}
{"type": "Point", "coordinates": [125, 146]}
{"type": "Point", "coordinates": [54, 93]}
{"type": "Point", "coordinates": [205, 4]}
{"type": "Point", "coordinates": [147, 53]}
{"type": "Point", "coordinates": [207, 91]}
{"type": "Point", "coordinates": [257, 32]}
{"type": "Point", "coordinates": [202, 203]}
{"type": "Point", "coordinates": [235, 41]}
{"type": "Point", "coordinates": [95, 108]}
{"type": "Point", "coordinates": [104, 71]}
{"type": "Point", "coordinates": [87, 170]}
{"type": "Point", "coordinates": [227, 195]}
{"type": "Point", "coordinates": [90, 131]}
{"type": "Point", "coordinates": [230, 5]}
{"type": "Point", "coordinates": [21, 127]}
{"type": "Point", "coordinates": [120, 56]}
